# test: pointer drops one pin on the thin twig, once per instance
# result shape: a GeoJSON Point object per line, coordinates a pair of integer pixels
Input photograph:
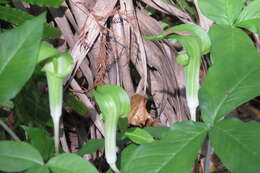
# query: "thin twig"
{"type": "Point", "coordinates": [9, 131]}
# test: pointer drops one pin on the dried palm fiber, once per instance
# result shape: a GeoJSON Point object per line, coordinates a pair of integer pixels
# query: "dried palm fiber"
{"type": "Point", "coordinates": [106, 47]}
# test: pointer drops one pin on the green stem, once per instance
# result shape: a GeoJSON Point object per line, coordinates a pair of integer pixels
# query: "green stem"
{"type": "Point", "coordinates": [110, 142]}
{"type": "Point", "coordinates": [208, 155]}
{"type": "Point", "coordinates": [9, 131]}
{"type": "Point", "coordinates": [55, 85]}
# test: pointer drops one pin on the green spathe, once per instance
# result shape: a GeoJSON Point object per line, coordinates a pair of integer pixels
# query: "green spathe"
{"type": "Point", "coordinates": [114, 103]}
{"type": "Point", "coordinates": [57, 68]}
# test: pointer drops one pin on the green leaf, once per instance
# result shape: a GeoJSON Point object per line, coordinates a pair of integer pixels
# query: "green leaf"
{"type": "Point", "coordinates": [91, 146]}
{"type": "Point", "coordinates": [18, 156]}
{"type": "Point", "coordinates": [123, 124]}
{"type": "Point", "coordinates": [75, 104]}
{"type": "Point", "coordinates": [70, 163]}
{"type": "Point", "coordinates": [41, 140]}
{"type": "Point", "coordinates": [250, 17]}
{"type": "Point", "coordinates": [4, 1]}
{"type": "Point", "coordinates": [234, 77]}
{"type": "Point", "coordinates": [223, 37]}
{"type": "Point", "coordinates": [18, 56]}
{"type": "Point", "coordinates": [183, 130]}
{"type": "Point", "coordinates": [126, 154]}
{"type": "Point", "coordinates": [45, 3]}
{"type": "Point", "coordinates": [157, 132]}
{"type": "Point", "coordinates": [139, 136]}
{"type": "Point", "coordinates": [8, 104]}
{"type": "Point", "coordinates": [221, 11]}
{"type": "Point", "coordinates": [237, 145]}
{"type": "Point", "coordinates": [31, 104]}
{"type": "Point", "coordinates": [17, 17]}
{"type": "Point", "coordinates": [176, 153]}
{"type": "Point", "coordinates": [38, 169]}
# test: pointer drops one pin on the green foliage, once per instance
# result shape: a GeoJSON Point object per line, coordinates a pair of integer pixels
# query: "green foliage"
{"type": "Point", "coordinates": [45, 3]}
{"type": "Point", "coordinates": [41, 140]}
{"type": "Point", "coordinates": [232, 80]}
{"type": "Point", "coordinates": [4, 1]}
{"type": "Point", "coordinates": [123, 124]}
{"type": "Point", "coordinates": [38, 169]}
{"type": "Point", "coordinates": [18, 17]}
{"type": "Point", "coordinates": [175, 152]}
{"type": "Point", "coordinates": [18, 50]}
{"type": "Point", "coordinates": [231, 13]}
{"type": "Point", "coordinates": [157, 132]}
{"type": "Point", "coordinates": [237, 144]}
{"type": "Point", "coordinates": [75, 104]}
{"type": "Point", "coordinates": [221, 11]}
{"type": "Point", "coordinates": [139, 136]}
{"type": "Point", "coordinates": [127, 154]}
{"type": "Point", "coordinates": [8, 104]}
{"type": "Point", "coordinates": [250, 17]}
{"type": "Point", "coordinates": [18, 156]}
{"type": "Point", "coordinates": [235, 70]}
{"type": "Point", "coordinates": [91, 146]}
{"type": "Point", "coordinates": [70, 163]}
{"type": "Point", "coordinates": [222, 36]}
{"type": "Point", "coordinates": [31, 104]}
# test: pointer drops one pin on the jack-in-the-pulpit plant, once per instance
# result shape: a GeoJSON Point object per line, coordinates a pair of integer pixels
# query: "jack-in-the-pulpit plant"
{"type": "Point", "coordinates": [195, 43]}
{"type": "Point", "coordinates": [57, 68]}
{"type": "Point", "coordinates": [114, 103]}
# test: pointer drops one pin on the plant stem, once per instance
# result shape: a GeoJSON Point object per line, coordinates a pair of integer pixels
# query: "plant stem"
{"type": "Point", "coordinates": [110, 142]}
{"type": "Point", "coordinates": [9, 131]}
{"type": "Point", "coordinates": [208, 155]}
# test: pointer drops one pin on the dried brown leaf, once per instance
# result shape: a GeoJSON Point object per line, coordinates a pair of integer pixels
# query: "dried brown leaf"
{"type": "Point", "coordinates": [139, 115]}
